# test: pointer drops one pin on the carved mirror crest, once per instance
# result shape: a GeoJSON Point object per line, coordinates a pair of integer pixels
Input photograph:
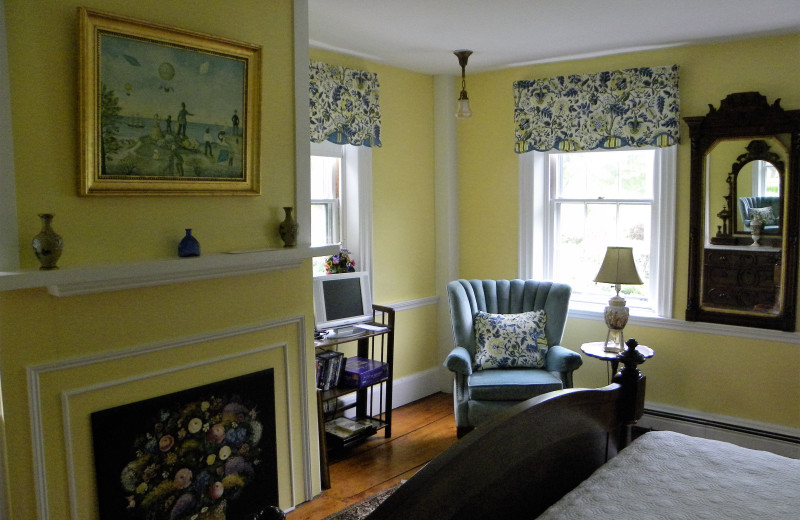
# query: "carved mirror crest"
{"type": "Point", "coordinates": [743, 238]}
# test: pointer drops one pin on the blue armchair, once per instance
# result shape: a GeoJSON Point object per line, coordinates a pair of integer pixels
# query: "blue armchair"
{"type": "Point", "coordinates": [479, 394]}
{"type": "Point", "coordinates": [746, 204]}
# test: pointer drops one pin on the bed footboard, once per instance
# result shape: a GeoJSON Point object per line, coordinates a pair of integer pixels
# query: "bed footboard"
{"type": "Point", "coordinates": [524, 460]}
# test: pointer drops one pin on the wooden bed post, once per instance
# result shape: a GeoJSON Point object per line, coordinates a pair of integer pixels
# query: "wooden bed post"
{"type": "Point", "coordinates": [632, 382]}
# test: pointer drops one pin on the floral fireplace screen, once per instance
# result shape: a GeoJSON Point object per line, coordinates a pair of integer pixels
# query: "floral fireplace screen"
{"type": "Point", "coordinates": [204, 453]}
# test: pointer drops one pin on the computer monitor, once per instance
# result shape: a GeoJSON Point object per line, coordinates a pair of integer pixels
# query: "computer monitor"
{"type": "Point", "coordinates": [341, 301]}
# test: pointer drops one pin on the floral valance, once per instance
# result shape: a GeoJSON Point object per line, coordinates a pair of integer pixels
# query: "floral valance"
{"type": "Point", "coordinates": [344, 105]}
{"type": "Point", "coordinates": [633, 107]}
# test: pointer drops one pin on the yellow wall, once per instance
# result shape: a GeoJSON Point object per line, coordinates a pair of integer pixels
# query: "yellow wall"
{"type": "Point", "coordinates": [403, 206]}
{"type": "Point", "coordinates": [710, 373]}
{"type": "Point", "coordinates": [43, 61]}
{"type": "Point", "coordinates": [79, 345]}
{"type": "Point", "coordinates": [223, 327]}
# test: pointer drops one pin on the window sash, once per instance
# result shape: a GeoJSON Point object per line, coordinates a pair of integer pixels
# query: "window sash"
{"type": "Point", "coordinates": [536, 224]}
{"type": "Point", "coordinates": [330, 209]}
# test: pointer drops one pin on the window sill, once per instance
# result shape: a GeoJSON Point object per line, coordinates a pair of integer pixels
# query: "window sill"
{"type": "Point", "coordinates": [595, 311]}
{"type": "Point", "coordinates": [646, 318]}
{"type": "Point", "coordinates": [90, 279]}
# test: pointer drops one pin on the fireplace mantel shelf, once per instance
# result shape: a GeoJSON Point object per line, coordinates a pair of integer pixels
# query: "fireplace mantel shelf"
{"type": "Point", "coordinates": [88, 279]}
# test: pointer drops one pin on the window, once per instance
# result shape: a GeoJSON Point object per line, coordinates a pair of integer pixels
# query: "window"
{"type": "Point", "coordinates": [766, 179]}
{"type": "Point", "coordinates": [341, 201]}
{"type": "Point", "coordinates": [574, 205]}
{"type": "Point", "coordinates": [326, 200]}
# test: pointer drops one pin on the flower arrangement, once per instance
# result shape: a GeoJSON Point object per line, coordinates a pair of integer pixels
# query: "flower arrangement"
{"type": "Point", "coordinates": [192, 460]}
{"type": "Point", "coordinates": [340, 263]}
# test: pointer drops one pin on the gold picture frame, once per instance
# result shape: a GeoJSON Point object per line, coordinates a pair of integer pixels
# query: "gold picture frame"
{"type": "Point", "coordinates": [166, 111]}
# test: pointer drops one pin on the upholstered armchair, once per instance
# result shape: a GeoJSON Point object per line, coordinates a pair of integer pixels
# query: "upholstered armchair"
{"type": "Point", "coordinates": [769, 206]}
{"type": "Point", "coordinates": [494, 380]}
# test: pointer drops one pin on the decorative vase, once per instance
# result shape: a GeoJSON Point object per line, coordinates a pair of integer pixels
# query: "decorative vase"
{"type": "Point", "coordinates": [288, 228]}
{"type": "Point", "coordinates": [189, 246]}
{"type": "Point", "coordinates": [48, 244]}
{"type": "Point", "coordinates": [756, 228]}
{"type": "Point", "coordinates": [616, 316]}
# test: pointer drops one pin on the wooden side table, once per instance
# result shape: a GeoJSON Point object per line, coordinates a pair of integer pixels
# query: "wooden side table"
{"type": "Point", "coordinates": [595, 349]}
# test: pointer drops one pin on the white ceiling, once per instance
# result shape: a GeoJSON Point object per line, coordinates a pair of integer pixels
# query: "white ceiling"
{"type": "Point", "coordinates": [421, 35]}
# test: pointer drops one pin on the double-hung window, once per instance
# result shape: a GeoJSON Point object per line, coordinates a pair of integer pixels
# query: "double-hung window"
{"type": "Point", "coordinates": [326, 199]}
{"type": "Point", "coordinates": [574, 205]}
{"type": "Point", "coordinates": [341, 201]}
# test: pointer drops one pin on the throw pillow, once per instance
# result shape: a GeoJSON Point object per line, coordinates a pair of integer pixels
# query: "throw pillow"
{"type": "Point", "coordinates": [510, 340]}
{"type": "Point", "coordinates": [763, 214]}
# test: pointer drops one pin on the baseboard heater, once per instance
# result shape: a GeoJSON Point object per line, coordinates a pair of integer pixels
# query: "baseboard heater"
{"type": "Point", "coordinates": [671, 416]}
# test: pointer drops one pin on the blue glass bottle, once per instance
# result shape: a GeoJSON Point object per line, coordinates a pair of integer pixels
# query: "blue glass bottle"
{"type": "Point", "coordinates": [189, 245]}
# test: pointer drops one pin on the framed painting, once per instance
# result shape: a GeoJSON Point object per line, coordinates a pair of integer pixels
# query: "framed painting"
{"type": "Point", "coordinates": [166, 111]}
{"type": "Point", "coordinates": [207, 452]}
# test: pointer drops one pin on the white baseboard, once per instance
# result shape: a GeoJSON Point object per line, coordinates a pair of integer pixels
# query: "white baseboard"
{"type": "Point", "coordinates": [404, 391]}
{"type": "Point", "coordinates": [416, 386]}
{"type": "Point", "coordinates": [774, 438]}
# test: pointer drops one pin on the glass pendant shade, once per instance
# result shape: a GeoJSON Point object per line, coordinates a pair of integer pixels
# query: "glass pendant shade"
{"type": "Point", "coordinates": [462, 108]}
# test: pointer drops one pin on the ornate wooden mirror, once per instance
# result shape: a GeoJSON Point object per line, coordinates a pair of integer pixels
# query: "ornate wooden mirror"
{"type": "Point", "coordinates": [744, 208]}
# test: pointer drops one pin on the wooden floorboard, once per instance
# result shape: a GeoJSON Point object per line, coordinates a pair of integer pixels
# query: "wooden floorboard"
{"type": "Point", "coordinates": [420, 431]}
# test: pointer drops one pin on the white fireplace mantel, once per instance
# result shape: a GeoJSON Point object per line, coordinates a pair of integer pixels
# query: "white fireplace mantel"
{"type": "Point", "coordinates": [88, 279]}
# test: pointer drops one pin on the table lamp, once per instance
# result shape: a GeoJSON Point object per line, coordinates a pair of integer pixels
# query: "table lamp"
{"type": "Point", "coordinates": [618, 268]}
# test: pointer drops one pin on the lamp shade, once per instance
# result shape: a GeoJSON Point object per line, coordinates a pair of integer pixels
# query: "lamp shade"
{"type": "Point", "coordinates": [463, 111]}
{"type": "Point", "coordinates": [618, 267]}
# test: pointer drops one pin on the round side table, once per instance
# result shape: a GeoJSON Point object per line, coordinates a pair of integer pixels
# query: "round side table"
{"type": "Point", "coordinates": [595, 349]}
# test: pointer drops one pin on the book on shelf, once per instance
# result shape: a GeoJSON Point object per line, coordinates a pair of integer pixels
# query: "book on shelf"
{"type": "Point", "coordinates": [336, 407]}
{"type": "Point", "coordinates": [329, 365]}
{"type": "Point", "coordinates": [360, 372]}
{"type": "Point", "coordinates": [344, 428]}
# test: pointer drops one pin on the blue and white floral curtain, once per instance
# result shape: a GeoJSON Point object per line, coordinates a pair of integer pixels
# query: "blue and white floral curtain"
{"type": "Point", "coordinates": [633, 107]}
{"type": "Point", "coordinates": [344, 105]}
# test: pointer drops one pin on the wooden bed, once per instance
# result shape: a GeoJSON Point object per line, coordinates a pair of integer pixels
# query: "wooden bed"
{"type": "Point", "coordinates": [536, 454]}
{"type": "Point", "coordinates": [527, 458]}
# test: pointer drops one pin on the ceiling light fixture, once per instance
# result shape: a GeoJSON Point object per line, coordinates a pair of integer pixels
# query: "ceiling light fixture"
{"type": "Point", "coordinates": [463, 111]}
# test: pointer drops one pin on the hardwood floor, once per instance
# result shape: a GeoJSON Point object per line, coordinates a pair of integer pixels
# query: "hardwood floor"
{"type": "Point", "coordinates": [420, 431]}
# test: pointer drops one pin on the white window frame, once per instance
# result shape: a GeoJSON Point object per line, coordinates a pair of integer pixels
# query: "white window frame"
{"type": "Point", "coordinates": [536, 228]}
{"type": "Point", "coordinates": [332, 205]}
{"type": "Point", "coordinates": [356, 194]}
{"type": "Point", "coordinates": [760, 178]}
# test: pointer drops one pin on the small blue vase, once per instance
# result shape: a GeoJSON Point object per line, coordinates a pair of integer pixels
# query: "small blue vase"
{"type": "Point", "coordinates": [189, 245]}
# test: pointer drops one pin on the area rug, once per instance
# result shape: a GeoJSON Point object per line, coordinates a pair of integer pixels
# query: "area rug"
{"type": "Point", "coordinates": [361, 509]}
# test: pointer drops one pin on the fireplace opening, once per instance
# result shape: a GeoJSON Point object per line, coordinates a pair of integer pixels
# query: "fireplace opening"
{"type": "Point", "coordinates": [203, 453]}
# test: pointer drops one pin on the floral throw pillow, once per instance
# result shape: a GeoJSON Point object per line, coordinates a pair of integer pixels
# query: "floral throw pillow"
{"type": "Point", "coordinates": [510, 340]}
{"type": "Point", "coordinates": [765, 215]}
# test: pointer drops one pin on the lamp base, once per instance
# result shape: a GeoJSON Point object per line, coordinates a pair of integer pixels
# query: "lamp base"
{"type": "Point", "coordinates": [614, 341]}
{"type": "Point", "coordinates": [616, 317]}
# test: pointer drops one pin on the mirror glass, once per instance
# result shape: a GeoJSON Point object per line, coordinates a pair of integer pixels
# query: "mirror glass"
{"type": "Point", "coordinates": [758, 187]}
{"type": "Point", "coordinates": [744, 212]}
{"type": "Point", "coordinates": [744, 181]}
{"type": "Point", "coordinates": [743, 256]}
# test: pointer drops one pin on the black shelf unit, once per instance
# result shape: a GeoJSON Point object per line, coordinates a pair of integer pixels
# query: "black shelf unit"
{"type": "Point", "coordinates": [372, 402]}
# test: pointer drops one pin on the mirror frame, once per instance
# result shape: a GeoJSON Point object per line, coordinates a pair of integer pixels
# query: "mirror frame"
{"type": "Point", "coordinates": [744, 115]}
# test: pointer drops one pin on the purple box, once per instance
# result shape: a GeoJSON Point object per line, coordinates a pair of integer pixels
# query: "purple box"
{"type": "Point", "coordinates": [360, 372]}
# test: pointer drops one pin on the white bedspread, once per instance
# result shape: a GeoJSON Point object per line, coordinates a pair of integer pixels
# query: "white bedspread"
{"type": "Point", "coordinates": [674, 476]}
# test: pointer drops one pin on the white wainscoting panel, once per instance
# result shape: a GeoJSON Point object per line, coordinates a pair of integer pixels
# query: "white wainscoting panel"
{"type": "Point", "coordinates": [35, 373]}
